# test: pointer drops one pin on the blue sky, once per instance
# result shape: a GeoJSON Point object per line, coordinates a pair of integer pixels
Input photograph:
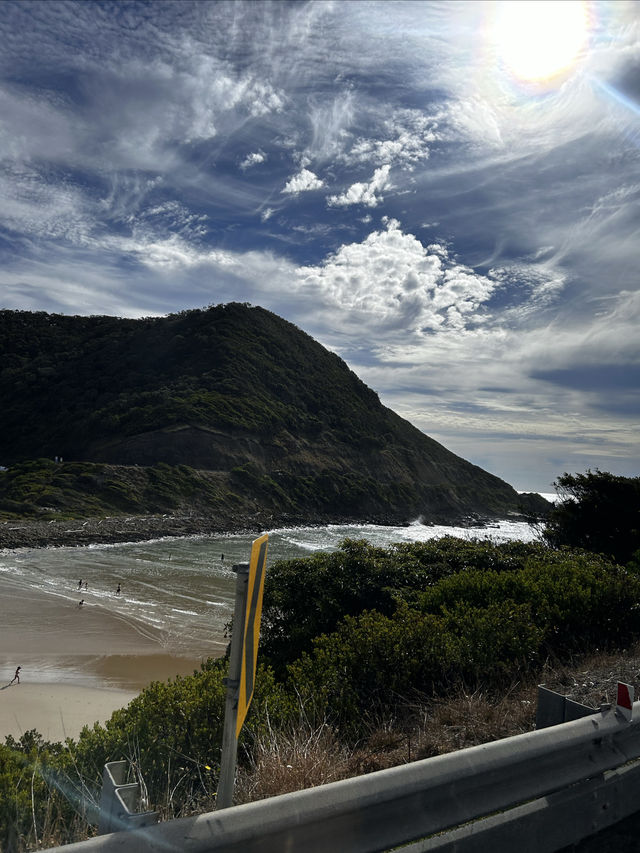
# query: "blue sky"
{"type": "Point", "coordinates": [409, 183]}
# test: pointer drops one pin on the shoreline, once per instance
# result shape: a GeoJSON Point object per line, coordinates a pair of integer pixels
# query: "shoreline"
{"type": "Point", "coordinates": [112, 530]}
{"type": "Point", "coordinates": [36, 533]}
{"type": "Point", "coordinates": [54, 641]}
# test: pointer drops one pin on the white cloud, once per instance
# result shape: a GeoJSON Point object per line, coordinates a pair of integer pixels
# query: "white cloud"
{"type": "Point", "coordinates": [172, 253]}
{"type": "Point", "coordinates": [391, 281]}
{"type": "Point", "coordinates": [303, 182]}
{"type": "Point", "coordinates": [403, 140]}
{"type": "Point", "coordinates": [40, 209]}
{"type": "Point", "coordinates": [364, 193]}
{"type": "Point", "coordinates": [253, 159]}
{"type": "Point", "coordinates": [34, 128]}
{"type": "Point", "coordinates": [172, 217]}
{"type": "Point", "coordinates": [263, 98]}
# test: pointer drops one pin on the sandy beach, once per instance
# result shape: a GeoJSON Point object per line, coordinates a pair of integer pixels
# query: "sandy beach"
{"type": "Point", "coordinates": [78, 665]}
{"type": "Point", "coordinates": [57, 711]}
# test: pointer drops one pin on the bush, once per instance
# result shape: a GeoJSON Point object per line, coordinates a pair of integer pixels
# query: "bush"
{"type": "Point", "coordinates": [309, 596]}
{"type": "Point", "coordinates": [38, 805]}
{"type": "Point", "coordinates": [480, 627]}
{"type": "Point", "coordinates": [578, 600]}
{"type": "Point", "coordinates": [171, 733]}
{"type": "Point", "coordinates": [374, 664]}
{"type": "Point", "coordinates": [599, 512]}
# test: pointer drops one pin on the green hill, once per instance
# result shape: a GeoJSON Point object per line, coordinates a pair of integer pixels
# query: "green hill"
{"type": "Point", "coordinates": [240, 396]}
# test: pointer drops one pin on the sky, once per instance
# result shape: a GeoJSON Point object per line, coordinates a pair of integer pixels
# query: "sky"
{"type": "Point", "coordinates": [445, 194]}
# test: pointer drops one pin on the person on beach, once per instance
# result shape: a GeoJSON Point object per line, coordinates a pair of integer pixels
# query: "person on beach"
{"type": "Point", "coordinates": [80, 584]}
{"type": "Point", "coordinates": [118, 590]}
{"type": "Point", "coordinates": [81, 602]}
{"type": "Point", "coordinates": [16, 677]}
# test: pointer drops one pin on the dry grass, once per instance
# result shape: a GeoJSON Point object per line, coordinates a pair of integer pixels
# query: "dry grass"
{"type": "Point", "coordinates": [286, 761]}
{"type": "Point", "coordinates": [470, 719]}
{"type": "Point", "coordinates": [592, 679]}
{"type": "Point", "coordinates": [282, 762]}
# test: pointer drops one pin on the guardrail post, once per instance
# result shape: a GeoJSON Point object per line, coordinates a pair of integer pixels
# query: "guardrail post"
{"type": "Point", "coordinates": [119, 801]}
{"type": "Point", "coordinates": [554, 708]}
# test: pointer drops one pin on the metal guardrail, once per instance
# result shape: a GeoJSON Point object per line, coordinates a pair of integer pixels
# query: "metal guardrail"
{"type": "Point", "coordinates": [542, 790]}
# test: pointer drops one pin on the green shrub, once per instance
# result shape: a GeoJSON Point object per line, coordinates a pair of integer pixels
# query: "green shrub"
{"type": "Point", "coordinates": [579, 601]}
{"type": "Point", "coordinates": [373, 664]}
{"type": "Point", "coordinates": [324, 588]}
{"type": "Point", "coordinates": [38, 800]}
{"type": "Point", "coordinates": [482, 627]}
{"type": "Point", "coordinates": [597, 511]}
{"type": "Point", "coordinates": [171, 731]}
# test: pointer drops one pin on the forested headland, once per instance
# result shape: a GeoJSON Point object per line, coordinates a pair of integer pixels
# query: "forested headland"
{"type": "Point", "coordinates": [229, 412]}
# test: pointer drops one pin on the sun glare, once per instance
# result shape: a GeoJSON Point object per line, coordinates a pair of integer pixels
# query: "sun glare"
{"type": "Point", "coordinates": [537, 40]}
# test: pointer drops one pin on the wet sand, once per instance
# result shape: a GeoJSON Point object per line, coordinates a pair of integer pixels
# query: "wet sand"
{"type": "Point", "coordinates": [78, 664]}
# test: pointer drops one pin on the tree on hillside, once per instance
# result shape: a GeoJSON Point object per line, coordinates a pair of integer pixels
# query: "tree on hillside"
{"type": "Point", "coordinates": [597, 511]}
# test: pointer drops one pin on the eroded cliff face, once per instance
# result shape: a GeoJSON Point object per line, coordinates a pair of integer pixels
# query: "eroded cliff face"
{"type": "Point", "coordinates": [200, 447]}
{"type": "Point", "coordinates": [408, 481]}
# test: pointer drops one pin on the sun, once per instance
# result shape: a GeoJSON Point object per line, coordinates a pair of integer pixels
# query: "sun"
{"type": "Point", "coordinates": [537, 40]}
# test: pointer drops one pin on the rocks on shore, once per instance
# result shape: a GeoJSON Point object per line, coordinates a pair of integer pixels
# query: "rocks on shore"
{"type": "Point", "coordinates": [40, 533]}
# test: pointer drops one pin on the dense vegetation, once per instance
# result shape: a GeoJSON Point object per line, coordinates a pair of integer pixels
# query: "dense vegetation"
{"type": "Point", "coordinates": [232, 389]}
{"type": "Point", "coordinates": [42, 488]}
{"type": "Point", "coordinates": [98, 377]}
{"type": "Point", "coordinates": [597, 511]}
{"type": "Point", "coordinates": [350, 639]}
{"type": "Point", "coordinates": [45, 489]}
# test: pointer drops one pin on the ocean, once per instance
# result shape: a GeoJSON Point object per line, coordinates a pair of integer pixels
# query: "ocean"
{"type": "Point", "coordinates": [180, 591]}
